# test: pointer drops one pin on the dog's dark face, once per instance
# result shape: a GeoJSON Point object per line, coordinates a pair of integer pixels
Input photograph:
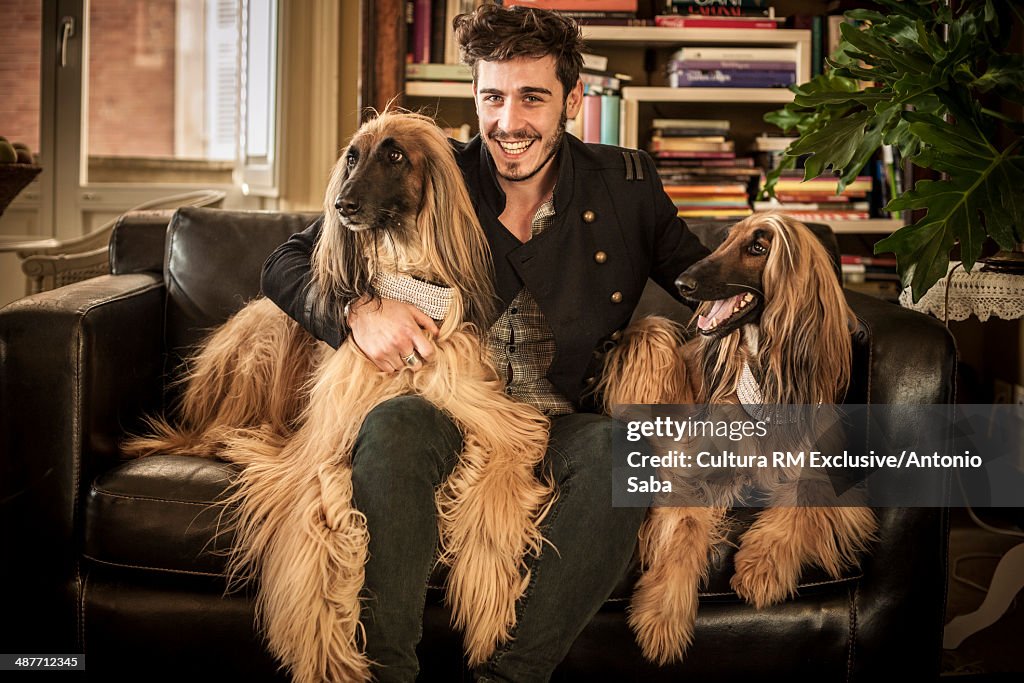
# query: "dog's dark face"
{"type": "Point", "coordinates": [729, 281]}
{"type": "Point", "coordinates": [382, 186]}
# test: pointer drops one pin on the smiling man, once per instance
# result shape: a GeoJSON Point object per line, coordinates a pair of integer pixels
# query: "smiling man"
{"type": "Point", "coordinates": [575, 231]}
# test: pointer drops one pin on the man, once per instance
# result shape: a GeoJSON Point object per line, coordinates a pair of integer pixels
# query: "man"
{"type": "Point", "coordinates": [575, 230]}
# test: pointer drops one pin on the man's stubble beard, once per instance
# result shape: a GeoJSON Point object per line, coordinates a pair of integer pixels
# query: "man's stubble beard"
{"type": "Point", "coordinates": [550, 149]}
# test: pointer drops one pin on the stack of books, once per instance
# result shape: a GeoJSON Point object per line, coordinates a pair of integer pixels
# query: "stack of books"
{"type": "Point", "coordinates": [735, 11]}
{"type": "Point", "coordinates": [732, 67]}
{"type": "Point", "coordinates": [697, 162]}
{"type": "Point", "coordinates": [594, 12]}
{"type": "Point", "coordinates": [816, 199]}
{"type": "Point", "coordinates": [874, 275]}
{"type": "Point", "coordinates": [599, 117]}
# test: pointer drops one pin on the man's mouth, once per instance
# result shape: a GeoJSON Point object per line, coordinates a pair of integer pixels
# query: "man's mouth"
{"type": "Point", "coordinates": [724, 310]}
{"type": "Point", "coordinates": [514, 148]}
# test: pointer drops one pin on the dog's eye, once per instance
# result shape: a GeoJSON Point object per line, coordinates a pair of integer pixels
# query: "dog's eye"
{"type": "Point", "coordinates": [394, 156]}
{"type": "Point", "coordinates": [757, 249]}
{"type": "Point", "coordinates": [350, 160]}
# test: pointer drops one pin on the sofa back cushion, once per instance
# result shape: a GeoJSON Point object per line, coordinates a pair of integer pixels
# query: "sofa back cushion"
{"type": "Point", "coordinates": [212, 264]}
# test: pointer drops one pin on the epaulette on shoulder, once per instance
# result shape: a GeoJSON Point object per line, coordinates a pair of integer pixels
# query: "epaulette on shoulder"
{"type": "Point", "coordinates": [634, 166]}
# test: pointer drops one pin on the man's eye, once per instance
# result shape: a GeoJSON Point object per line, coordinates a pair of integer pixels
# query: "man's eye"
{"type": "Point", "coordinates": [394, 156]}
{"type": "Point", "coordinates": [757, 249]}
{"type": "Point", "coordinates": [493, 99]}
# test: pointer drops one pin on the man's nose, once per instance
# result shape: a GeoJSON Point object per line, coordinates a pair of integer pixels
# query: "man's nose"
{"type": "Point", "coordinates": [511, 117]}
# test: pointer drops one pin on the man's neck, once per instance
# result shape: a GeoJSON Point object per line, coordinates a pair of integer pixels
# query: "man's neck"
{"type": "Point", "coordinates": [523, 198]}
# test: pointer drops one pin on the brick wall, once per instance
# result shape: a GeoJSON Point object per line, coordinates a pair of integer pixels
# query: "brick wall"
{"type": "Point", "coordinates": [131, 75]}
{"type": "Point", "coordinates": [19, 70]}
{"type": "Point", "coordinates": [131, 78]}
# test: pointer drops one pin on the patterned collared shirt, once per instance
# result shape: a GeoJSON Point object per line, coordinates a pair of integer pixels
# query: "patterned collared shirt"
{"type": "Point", "coordinates": [522, 346]}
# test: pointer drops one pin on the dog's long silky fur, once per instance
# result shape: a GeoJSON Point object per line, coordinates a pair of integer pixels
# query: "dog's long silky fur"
{"type": "Point", "coordinates": [296, 531]}
{"type": "Point", "coordinates": [800, 351]}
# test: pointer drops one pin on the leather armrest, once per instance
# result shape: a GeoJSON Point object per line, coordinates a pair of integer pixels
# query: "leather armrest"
{"type": "Point", "coordinates": [78, 366]}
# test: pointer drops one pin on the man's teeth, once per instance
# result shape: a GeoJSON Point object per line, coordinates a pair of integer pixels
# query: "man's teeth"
{"type": "Point", "coordinates": [515, 147]}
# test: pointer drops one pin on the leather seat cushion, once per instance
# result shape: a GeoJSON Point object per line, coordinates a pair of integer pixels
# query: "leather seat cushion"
{"type": "Point", "coordinates": [163, 514]}
{"type": "Point", "coordinates": [160, 513]}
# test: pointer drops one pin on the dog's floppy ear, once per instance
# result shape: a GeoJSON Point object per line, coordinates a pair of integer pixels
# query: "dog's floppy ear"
{"type": "Point", "coordinates": [805, 346]}
{"type": "Point", "coordinates": [452, 236]}
{"type": "Point", "coordinates": [340, 272]}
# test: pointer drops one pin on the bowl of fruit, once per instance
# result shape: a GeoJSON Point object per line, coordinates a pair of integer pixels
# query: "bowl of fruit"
{"type": "Point", "coordinates": [17, 169]}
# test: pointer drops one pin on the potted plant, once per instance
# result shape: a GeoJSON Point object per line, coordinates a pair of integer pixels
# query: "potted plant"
{"type": "Point", "coordinates": [929, 69]}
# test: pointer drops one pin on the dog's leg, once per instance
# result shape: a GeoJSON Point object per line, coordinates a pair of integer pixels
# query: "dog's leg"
{"type": "Point", "coordinates": [491, 507]}
{"type": "Point", "coordinates": [297, 531]}
{"type": "Point", "coordinates": [675, 543]}
{"type": "Point", "coordinates": [250, 373]}
{"type": "Point", "coordinates": [787, 536]}
{"type": "Point", "coordinates": [646, 367]}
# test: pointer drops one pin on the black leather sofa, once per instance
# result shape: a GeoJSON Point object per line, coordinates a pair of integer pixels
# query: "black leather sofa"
{"type": "Point", "coordinates": [119, 560]}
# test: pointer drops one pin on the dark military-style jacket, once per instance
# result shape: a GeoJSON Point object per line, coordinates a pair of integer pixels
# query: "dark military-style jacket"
{"type": "Point", "coordinates": [613, 228]}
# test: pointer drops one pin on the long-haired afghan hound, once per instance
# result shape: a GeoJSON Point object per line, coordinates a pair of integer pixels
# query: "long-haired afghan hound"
{"type": "Point", "coordinates": [774, 329]}
{"type": "Point", "coordinates": [263, 394]}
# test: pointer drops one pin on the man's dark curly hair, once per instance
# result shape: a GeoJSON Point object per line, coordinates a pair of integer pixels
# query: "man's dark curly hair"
{"type": "Point", "coordinates": [493, 33]}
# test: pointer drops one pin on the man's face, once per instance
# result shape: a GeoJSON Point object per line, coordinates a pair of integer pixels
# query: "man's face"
{"type": "Point", "coordinates": [522, 111]}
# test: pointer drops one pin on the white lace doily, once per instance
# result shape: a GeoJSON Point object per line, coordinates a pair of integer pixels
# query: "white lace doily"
{"type": "Point", "coordinates": [975, 293]}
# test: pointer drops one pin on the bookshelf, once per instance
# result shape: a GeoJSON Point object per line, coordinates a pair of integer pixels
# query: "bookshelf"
{"type": "Point", "coordinates": [643, 53]}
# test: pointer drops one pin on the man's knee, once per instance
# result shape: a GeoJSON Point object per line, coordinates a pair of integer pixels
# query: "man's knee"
{"type": "Point", "coordinates": [406, 434]}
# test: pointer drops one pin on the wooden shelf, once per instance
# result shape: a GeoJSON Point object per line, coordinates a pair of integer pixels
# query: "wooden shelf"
{"type": "Point", "coordinates": [439, 89]}
{"type": "Point", "coordinates": [872, 226]}
{"type": "Point", "coordinates": [729, 95]}
{"type": "Point", "coordinates": [664, 36]}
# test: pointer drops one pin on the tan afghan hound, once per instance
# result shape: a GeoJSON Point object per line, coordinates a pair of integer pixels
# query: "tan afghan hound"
{"type": "Point", "coordinates": [772, 322]}
{"type": "Point", "coordinates": [263, 394]}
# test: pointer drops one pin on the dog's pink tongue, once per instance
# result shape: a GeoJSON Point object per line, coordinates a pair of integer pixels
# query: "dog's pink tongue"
{"type": "Point", "coordinates": [721, 312]}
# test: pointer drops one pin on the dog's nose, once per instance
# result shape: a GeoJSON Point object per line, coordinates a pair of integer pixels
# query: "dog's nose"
{"type": "Point", "coordinates": [347, 207]}
{"type": "Point", "coordinates": [686, 284]}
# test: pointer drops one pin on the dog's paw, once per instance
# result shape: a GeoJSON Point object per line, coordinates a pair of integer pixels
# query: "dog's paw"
{"type": "Point", "coordinates": [765, 574]}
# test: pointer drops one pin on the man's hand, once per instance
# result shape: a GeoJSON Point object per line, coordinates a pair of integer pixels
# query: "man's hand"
{"type": "Point", "coordinates": [389, 332]}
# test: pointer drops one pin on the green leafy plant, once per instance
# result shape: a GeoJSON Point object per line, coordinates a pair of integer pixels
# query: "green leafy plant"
{"type": "Point", "coordinates": [928, 68]}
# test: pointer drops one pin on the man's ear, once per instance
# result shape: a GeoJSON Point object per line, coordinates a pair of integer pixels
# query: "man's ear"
{"type": "Point", "coordinates": [476, 105]}
{"type": "Point", "coordinates": [574, 100]}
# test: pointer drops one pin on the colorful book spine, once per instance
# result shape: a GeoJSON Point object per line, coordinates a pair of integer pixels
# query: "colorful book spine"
{"type": "Point", "coordinates": [610, 119]}
{"type": "Point", "coordinates": [592, 118]}
{"type": "Point", "coordinates": [731, 65]}
{"type": "Point", "coordinates": [734, 3]}
{"type": "Point", "coordinates": [421, 15]}
{"type": "Point", "coordinates": [739, 53]}
{"type": "Point", "coordinates": [678, 21]}
{"type": "Point", "coordinates": [730, 78]}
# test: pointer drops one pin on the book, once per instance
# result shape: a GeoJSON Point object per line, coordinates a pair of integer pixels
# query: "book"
{"type": "Point", "coordinates": [730, 3]}
{"type": "Point", "coordinates": [694, 155]}
{"type": "Point", "coordinates": [578, 5]}
{"type": "Point", "coordinates": [734, 189]}
{"type": "Point", "coordinates": [421, 17]}
{"type": "Point", "coordinates": [714, 213]}
{"type": "Point", "coordinates": [438, 72]}
{"type": "Point", "coordinates": [729, 78]}
{"type": "Point", "coordinates": [595, 62]}
{"type": "Point", "coordinates": [686, 124]}
{"type": "Point", "coordinates": [610, 119]}
{"type": "Point", "coordinates": [721, 10]}
{"type": "Point", "coordinates": [739, 53]}
{"type": "Point", "coordinates": [453, 9]}
{"type": "Point", "coordinates": [751, 23]}
{"type": "Point", "coordinates": [591, 118]}
{"type": "Point", "coordinates": [731, 64]}
{"type": "Point", "coordinates": [772, 143]}
{"type": "Point", "coordinates": [659, 144]}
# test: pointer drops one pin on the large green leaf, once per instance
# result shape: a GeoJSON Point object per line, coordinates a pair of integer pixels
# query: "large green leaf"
{"type": "Point", "coordinates": [929, 67]}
